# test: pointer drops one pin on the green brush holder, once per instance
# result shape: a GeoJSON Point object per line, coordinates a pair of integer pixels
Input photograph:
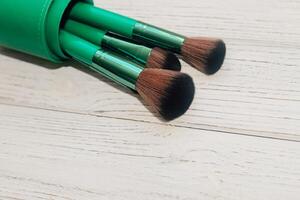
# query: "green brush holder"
{"type": "Point", "coordinates": [32, 26]}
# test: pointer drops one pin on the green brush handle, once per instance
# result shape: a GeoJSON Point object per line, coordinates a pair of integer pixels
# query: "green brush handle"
{"type": "Point", "coordinates": [77, 48]}
{"type": "Point", "coordinates": [127, 27]}
{"type": "Point", "coordinates": [103, 19]}
{"type": "Point", "coordinates": [104, 62]}
{"type": "Point", "coordinates": [86, 32]}
{"type": "Point", "coordinates": [119, 66]}
{"type": "Point", "coordinates": [98, 37]}
{"type": "Point", "coordinates": [138, 52]}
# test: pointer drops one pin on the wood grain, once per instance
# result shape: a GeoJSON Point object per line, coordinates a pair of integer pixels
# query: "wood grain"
{"type": "Point", "coordinates": [50, 155]}
{"type": "Point", "coordinates": [67, 133]}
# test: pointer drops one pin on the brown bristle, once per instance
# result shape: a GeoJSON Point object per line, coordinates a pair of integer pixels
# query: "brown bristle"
{"type": "Point", "coordinates": [205, 54]}
{"type": "Point", "coordinates": [162, 59]}
{"type": "Point", "coordinates": [170, 93]}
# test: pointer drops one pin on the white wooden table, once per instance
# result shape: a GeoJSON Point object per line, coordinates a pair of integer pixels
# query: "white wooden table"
{"type": "Point", "coordinates": [69, 135]}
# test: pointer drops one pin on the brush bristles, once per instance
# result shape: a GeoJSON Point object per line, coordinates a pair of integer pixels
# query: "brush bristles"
{"type": "Point", "coordinates": [162, 59]}
{"type": "Point", "coordinates": [170, 93]}
{"type": "Point", "coordinates": [205, 54]}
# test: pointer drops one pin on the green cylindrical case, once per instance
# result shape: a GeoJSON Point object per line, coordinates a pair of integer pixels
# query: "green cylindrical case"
{"type": "Point", "coordinates": [32, 26]}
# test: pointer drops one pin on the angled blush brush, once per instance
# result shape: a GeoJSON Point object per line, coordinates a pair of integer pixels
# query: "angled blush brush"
{"type": "Point", "coordinates": [169, 93]}
{"type": "Point", "coordinates": [205, 54]}
{"type": "Point", "coordinates": [151, 58]}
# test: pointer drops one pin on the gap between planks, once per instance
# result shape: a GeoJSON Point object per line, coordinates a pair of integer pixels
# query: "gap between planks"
{"type": "Point", "coordinates": [291, 139]}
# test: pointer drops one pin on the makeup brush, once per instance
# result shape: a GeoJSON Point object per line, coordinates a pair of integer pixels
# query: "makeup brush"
{"type": "Point", "coordinates": [151, 58]}
{"type": "Point", "coordinates": [169, 93]}
{"type": "Point", "coordinates": [205, 54]}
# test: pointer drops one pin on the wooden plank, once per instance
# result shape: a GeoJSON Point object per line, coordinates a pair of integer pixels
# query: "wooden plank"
{"type": "Point", "coordinates": [269, 22]}
{"type": "Point", "coordinates": [64, 156]}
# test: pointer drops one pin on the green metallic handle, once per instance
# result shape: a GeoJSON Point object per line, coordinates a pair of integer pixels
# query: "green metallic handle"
{"type": "Point", "coordinates": [158, 37]}
{"type": "Point", "coordinates": [138, 52]}
{"type": "Point", "coordinates": [119, 66]}
{"type": "Point", "coordinates": [107, 63]}
{"type": "Point", "coordinates": [98, 37]}
{"type": "Point", "coordinates": [127, 27]}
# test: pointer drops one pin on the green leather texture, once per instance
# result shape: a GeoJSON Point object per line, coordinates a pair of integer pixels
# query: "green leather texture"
{"type": "Point", "coordinates": [32, 26]}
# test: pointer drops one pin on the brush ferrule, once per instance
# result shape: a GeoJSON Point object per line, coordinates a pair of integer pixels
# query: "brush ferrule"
{"type": "Point", "coordinates": [116, 68]}
{"type": "Point", "coordinates": [137, 52]}
{"type": "Point", "coordinates": [158, 37]}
